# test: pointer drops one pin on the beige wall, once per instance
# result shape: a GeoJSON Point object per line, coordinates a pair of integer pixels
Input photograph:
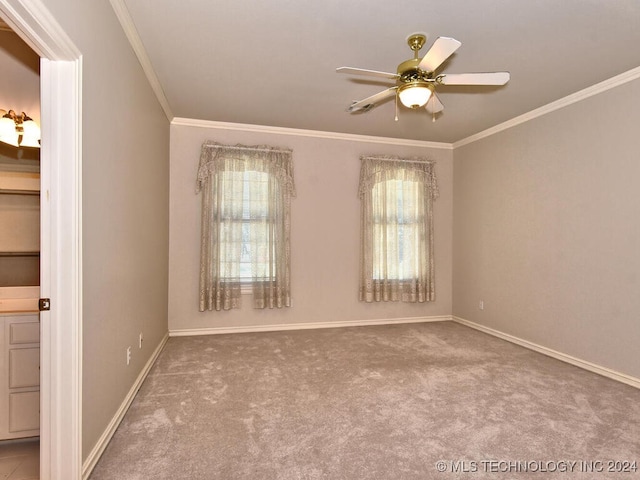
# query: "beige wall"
{"type": "Point", "coordinates": [324, 232]}
{"type": "Point", "coordinates": [125, 183]}
{"type": "Point", "coordinates": [547, 230]}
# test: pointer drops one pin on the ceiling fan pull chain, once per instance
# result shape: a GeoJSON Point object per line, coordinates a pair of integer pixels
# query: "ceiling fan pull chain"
{"type": "Point", "coordinates": [396, 107]}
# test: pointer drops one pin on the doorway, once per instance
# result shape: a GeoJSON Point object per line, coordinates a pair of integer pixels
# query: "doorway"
{"type": "Point", "coordinates": [19, 260]}
{"type": "Point", "coordinates": [60, 236]}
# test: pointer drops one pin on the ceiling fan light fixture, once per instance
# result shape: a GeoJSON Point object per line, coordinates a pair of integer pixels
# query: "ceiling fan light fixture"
{"type": "Point", "coordinates": [19, 130]}
{"type": "Point", "coordinates": [414, 95]}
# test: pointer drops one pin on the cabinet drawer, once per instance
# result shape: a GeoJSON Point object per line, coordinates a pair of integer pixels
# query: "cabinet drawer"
{"type": "Point", "coordinates": [24, 367]}
{"type": "Point", "coordinates": [24, 411]}
{"type": "Point", "coordinates": [25, 332]}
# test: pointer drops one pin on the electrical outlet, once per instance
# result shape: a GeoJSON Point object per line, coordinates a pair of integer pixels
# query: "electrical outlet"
{"type": "Point", "coordinates": [481, 305]}
{"type": "Point", "coordinates": [128, 355]}
{"type": "Point", "coordinates": [140, 340]}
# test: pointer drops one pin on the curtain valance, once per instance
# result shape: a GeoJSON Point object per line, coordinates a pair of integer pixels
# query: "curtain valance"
{"type": "Point", "coordinates": [375, 168]}
{"type": "Point", "coordinates": [215, 157]}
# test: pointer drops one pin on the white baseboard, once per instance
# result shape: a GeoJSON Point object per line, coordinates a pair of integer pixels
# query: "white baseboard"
{"type": "Point", "coordinates": [303, 326]}
{"type": "Point", "coordinates": [91, 461]}
{"type": "Point", "coordinates": [592, 367]}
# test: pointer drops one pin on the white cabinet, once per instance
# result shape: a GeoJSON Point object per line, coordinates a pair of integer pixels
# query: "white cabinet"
{"type": "Point", "coordinates": [19, 375]}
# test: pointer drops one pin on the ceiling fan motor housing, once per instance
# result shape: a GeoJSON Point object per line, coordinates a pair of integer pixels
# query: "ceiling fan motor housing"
{"type": "Point", "coordinates": [410, 77]}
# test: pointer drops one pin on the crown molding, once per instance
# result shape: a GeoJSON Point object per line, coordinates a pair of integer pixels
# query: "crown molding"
{"type": "Point", "coordinates": [352, 137]}
{"type": "Point", "coordinates": [596, 89]}
{"type": "Point", "coordinates": [130, 31]}
{"type": "Point", "coordinates": [4, 27]}
{"type": "Point", "coordinates": [34, 24]}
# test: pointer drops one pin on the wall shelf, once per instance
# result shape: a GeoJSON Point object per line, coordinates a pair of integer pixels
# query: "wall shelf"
{"type": "Point", "coordinates": [20, 183]}
{"type": "Point", "coordinates": [7, 191]}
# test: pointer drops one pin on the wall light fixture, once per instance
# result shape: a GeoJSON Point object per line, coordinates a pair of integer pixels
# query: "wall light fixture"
{"type": "Point", "coordinates": [19, 130]}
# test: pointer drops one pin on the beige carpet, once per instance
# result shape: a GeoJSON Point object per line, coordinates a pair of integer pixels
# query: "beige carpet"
{"type": "Point", "coordinates": [383, 402]}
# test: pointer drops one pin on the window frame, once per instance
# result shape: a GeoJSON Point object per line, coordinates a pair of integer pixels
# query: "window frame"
{"type": "Point", "coordinates": [399, 225]}
{"type": "Point", "coordinates": [247, 282]}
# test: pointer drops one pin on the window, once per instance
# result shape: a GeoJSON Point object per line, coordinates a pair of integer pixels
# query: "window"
{"type": "Point", "coordinates": [395, 230]}
{"type": "Point", "coordinates": [396, 259]}
{"type": "Point", "coordinates": [252, 219]}
{"type": "Point", "coordinates": [245, 225]}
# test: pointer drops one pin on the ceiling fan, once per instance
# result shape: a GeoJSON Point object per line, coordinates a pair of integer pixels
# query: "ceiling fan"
{"type": "Point", "coordinates": [416, 79]}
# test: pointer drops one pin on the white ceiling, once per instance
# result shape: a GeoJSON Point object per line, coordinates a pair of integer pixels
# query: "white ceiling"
{"type": "Point", "coordinates": [273, 62]}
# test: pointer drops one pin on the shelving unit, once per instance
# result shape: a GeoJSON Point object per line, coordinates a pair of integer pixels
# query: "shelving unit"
{"type": "Point", "coordinates": [19, 330]}
{"type": "Point", "coordinates": [20, 217]}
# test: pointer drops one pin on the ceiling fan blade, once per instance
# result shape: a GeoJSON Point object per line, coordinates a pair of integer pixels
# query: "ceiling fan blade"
{"type": "Point", "coordinates": [370, 73]}
{"type": "Point", "coordinates": [493, 78]}
{"type": "Point", "coordinates": [434, 105]}
{"type": "Point", "coordinates": [369, 102]}
{"type": "Point", "coordinates": [441, 49]}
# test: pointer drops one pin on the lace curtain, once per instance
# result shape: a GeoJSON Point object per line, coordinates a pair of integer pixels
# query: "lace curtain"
{"type": "Point", "coordinates": [246, 197]}
{"type": "Point", "coordinates": [396, 258]}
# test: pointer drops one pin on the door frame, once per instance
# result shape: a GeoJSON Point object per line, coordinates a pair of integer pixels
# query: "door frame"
{"type": "Point", "coordinates": [60, 237]}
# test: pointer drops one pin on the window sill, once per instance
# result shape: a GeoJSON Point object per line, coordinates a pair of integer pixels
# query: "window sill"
{"type": "Point", "coordinates": [246, 288]}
